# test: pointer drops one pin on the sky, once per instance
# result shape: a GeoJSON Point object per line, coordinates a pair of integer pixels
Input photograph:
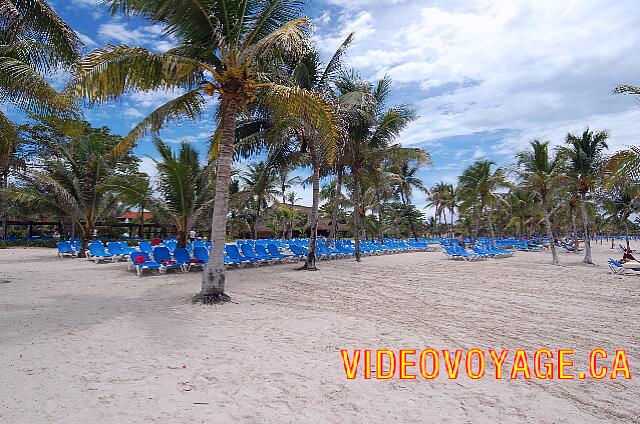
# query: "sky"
{"type": "Point", "coordinates": [485, 76]}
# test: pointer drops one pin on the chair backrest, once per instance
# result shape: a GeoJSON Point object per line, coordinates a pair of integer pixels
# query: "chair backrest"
{"type": "Point", "coordinates": [262, 250]}
{"type": "Point", "coordinates": [273, 250]}
{"type": "Point", "coordinates": [161, 253]}
{"type": "Point", "coordinates": [233, 252]}
{"type": "Point", "coordinates": [297, 250]}
{"type": "Point", "coordinates": [96, 249]}
{"type": "Point", "coordinates": [201, 252]}
{"type": "Point", "coordinates": [145, 246]}
{"type": "Point", "coordinates": [616, 263]}
{"type": "Point", "coordinates": [171, 244]}
{"type": "Point", "coordinates": [248, 251]}
{"type": "Point", "coordinates": [181, 254]}
{"type": "Point", "coordinates": [65, 247]}
{"type": "Point", "coordinates": [114, 248]}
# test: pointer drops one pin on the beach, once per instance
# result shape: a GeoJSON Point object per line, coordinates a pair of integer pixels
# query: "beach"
{"type": "Point", "coordinates": [86, 342]}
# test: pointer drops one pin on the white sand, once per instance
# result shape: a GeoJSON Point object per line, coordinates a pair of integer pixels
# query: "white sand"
{"type": "Point", "coordinates": [83, 343]}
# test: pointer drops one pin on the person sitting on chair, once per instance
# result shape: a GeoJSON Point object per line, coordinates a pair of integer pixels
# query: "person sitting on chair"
{"type": "Point", "coordinates": [627, 256]}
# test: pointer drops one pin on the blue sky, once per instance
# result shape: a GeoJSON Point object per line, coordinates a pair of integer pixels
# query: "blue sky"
{"type": "Point", "coordinates": [485, 76]}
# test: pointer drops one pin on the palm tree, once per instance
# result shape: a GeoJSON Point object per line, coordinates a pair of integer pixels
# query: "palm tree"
{"type": "Point", "coordinates": [259, 189]}
{"type": "Point", "coordinates": [81, 183]}
{"type": "Point", "coordinates": [541, 173]}
{"type": "Point", "coordinates": [621, 203]}
{"type": "Point", "coordinates": [585, 154]}
{"type": "Point", "coordinates": [34, 43]}
{"type": "Point", "coordinates": [478, 188]}
{"type": "Point", "coordinates": [370, 131]}
{"type": "Point", "coordinates": [450, 201]}
{"type": "Point", "coordinates": [437, 197]}
{"type": "Point", "coordinates": [186, 187]}
{"type": "Point", "coordinates": [222, 48]}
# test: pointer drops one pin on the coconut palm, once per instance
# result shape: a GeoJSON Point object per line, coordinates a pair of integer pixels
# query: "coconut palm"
{"type": "Point", "coordinates": [585, 154]}
{"type": "Point", "coordinates": [479, 187]}
{"type": "Point", "coordinates": [186, 187]}
{"type": "Point", "coordinates": [80, 182]}
{"type": "Point", "coordinates": [541, 172]}
{"type": "Point", "coordinates": [223, 46]}
{"type": "Point", "coordinates": [259, 189]}
{"type": "Point", "coordinates": [34, 43]}
{"type": "Point", "coordinates": [370, 131]}
{"type": "Point", "coordinates": [620, 204]}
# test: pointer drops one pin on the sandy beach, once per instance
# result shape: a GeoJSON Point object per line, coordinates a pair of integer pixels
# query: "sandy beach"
{"type": "Point", "coordinates": [81, 342]}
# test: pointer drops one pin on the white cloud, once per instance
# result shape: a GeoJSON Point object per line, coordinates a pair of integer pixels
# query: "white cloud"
{"type": "Point", "coordinates": [86, 40]}
{"type": "Point", "coordinates": [150, 36]}
{"type": "Point", "coordinates": [537, 69]}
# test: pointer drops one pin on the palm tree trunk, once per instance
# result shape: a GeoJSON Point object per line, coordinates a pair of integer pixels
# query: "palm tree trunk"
{"type": "Point", "coordinates": [336, 206]}
{"type": "Point", "coordinates": [141, 226]}
{"type": "Point", "coordinates": [3, 209]}
{"type": "Point", "coordinates": [213, 277]}
{"type": "Point", "coordinates": [452, 227]}
{"type": "Point", "coordinates": [356, 211]}
{"type": "Point", "coordinates": [585, 225]}
{"type": "Point", "coordinates": [380, 223]}
{"type": "Point", "coordinates": [547, 224]}
{"type": "Point", "coordinates": [487, 219]}
{"type": "Point", "coordinates": [85, 237]}
{"type": "Point", "coordinates": [574, 225]}
{"type": "Point", "coordinates": [255, 222]}
{"type": "Point", "coordinates": [310, 264]}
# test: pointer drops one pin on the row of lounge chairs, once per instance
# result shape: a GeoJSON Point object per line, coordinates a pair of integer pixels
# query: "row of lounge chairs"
{"type": "Point", "coordinates": [479, 252]}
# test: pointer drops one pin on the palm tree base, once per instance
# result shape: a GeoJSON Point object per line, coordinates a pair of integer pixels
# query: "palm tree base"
{"type": "Point", "coordinates": [210, 299]}
{"type": "Point", "coordinates": [306, 267]}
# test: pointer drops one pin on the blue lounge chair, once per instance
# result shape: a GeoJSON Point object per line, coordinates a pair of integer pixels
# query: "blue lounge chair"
{"type": "Point", "coordinates": [162, 255]}
{"type": "Point", "coordinates": [145, 247]}
{"type": "Point", "coordinates": [65, 249]}
{"type": "Point", "coordinates": [96, 252]}
{"type": "Point", "coordinates": [233, 253]}
{"type": "Point", "coordinates": [183, 258]}
{"type": "Point", "coordinates": [298, 251]}
{"type": "Point", "coordinates": [249, 252]}
{"type": "Point", "coordinates": [618, 268]}
{"type": "Point", "coordinates": [115, 249]}
{"type": "Point", "coordinates": [144, 263]}
{"type": "Point", "coordinates": [261, 250]}
{"type": "Point", "coordinates": [126, 248]}
{"type": "Point", "coordinates": [275, 252]}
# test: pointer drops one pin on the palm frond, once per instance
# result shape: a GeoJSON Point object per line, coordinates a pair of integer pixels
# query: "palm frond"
{"type": "Point", "coordinates": [188, 106]}
{"type": "Point", "coordinates": [109, 72]}
{"type": "Point", "coordinates": [21, 85]}
{"type": "Point", "coordinates": [42, 23]}
{"type": "Point", "coordinates": [290, 37]}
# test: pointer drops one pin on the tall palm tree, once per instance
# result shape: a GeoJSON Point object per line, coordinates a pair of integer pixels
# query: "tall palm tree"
{"type": "Point", "coordinates": [34, 43]}
{"type": "Point", "coordinates": [406, 163]}
{"type": "Point", "coordinates": [259, 188]}
{"type": "Point", "coordinates": [450, 201]}
{"type": "Point", "coordinates": [222, 48]}
{"type": "Point", "coordinates": [585, 154]}
{"type": "Point", "coordinates": [541, 173]}
{"type": "Point", "coordinates": [437, 197]}
{"type": "Point", "coordinates": [370, 131]}
{"type": "Point", "coordinates": [81, 182]}
{"type": "Point", "coordinates": [621, 203]}
{"type": "Point", "coordinates": [186, 187]}
{"type": "Point", "coordinates": [479, 186]}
